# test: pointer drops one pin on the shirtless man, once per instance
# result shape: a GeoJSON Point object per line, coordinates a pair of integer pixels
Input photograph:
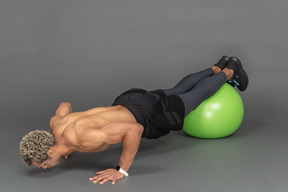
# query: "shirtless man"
{"type": "Point", "coordinates": [134, 114]}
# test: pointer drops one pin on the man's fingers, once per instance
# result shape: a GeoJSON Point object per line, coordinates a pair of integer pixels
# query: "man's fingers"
{"type": "Point", "coordinates": [98, 179]}
{"type": "Point", "coordinates": [92, 178]}
{"type": "Point", "coordinates": [104, 181]}
{"type": "Point", "coordinates": [95, 178]}
{"type": "Point", "coordinates": [100, 172]}
{"type": "Point", "coordinates": [107, 175]}
{"type": "Point", "coordinates": [101, 175]}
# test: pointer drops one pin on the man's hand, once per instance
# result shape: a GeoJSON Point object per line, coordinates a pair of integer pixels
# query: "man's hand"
{"type": "Point", "coordinates": [107, 175]}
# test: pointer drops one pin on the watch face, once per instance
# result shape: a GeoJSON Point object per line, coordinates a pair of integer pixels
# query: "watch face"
{"type": "Point", "coordinates": [117, 168]}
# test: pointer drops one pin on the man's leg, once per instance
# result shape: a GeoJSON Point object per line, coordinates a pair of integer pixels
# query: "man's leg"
{"type": "Point", "coordinates": [188, 82]}
{"type": "Point", "coordinates": [204, 89]}
{"type": "Point", "coordinates": [191, 80]}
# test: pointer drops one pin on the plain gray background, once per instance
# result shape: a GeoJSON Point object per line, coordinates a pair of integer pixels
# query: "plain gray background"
{"type": "Point", "coordinates": [88, 52]}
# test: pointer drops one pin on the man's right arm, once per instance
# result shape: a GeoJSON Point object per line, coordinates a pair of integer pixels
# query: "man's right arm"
{"type": "Point", "coordinates": [130, 135]}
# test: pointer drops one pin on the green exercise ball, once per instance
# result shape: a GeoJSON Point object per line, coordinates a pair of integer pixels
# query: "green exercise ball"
{"type": "Point", "coordinates": [217, 117]}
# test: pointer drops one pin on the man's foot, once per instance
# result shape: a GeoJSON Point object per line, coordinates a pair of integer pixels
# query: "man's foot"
{"type": "Point", "coordinates": [222, 62]}
{"type": "Point", "coordinates": [240, 77]}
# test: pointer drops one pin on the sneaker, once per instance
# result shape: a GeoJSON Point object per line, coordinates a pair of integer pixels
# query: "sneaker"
{"type": "Point", "coordinates": [222, 62]}
{"type": "Point", "coordinates": [240, 77]}
{"type": "Point", "coordinates": [230, 82]}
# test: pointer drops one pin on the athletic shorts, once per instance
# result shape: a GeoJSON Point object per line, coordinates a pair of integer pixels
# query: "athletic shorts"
{"type": "Point", "coordinates": [159, 114]}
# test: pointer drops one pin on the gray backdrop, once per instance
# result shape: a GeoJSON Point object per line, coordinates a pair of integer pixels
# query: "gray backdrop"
{"type": "Point", "coordinates": [88, 52]}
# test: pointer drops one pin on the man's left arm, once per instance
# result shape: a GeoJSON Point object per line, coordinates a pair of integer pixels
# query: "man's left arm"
{"type": "Point", "coordinates": [130, 135]}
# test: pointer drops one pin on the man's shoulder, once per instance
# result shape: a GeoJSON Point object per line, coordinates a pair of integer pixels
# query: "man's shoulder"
{"type": "Point", "coordinates": [53, 121]}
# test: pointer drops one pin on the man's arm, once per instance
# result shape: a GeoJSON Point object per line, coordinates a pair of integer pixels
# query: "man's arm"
{"type": "Point", "coordinates": [130, 147]}
{"type": "Point", "coordinates": [130, 135]}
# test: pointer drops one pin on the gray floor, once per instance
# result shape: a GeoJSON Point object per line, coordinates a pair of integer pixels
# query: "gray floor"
{"type": "Point", "coordinates": [88, 52]}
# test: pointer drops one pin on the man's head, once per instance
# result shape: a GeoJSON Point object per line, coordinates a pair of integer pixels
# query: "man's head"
{"type": "Point", "coordinates": [36, 149]}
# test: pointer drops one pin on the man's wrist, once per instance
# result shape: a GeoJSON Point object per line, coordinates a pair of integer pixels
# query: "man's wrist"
{"type": "Point", "coordinates": [118, 168]}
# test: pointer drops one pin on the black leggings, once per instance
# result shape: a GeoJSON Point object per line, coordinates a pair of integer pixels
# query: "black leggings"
{"type": "Point", "coordinates": [197, 87]}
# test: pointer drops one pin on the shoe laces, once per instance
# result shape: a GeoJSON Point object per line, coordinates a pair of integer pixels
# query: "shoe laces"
{"type": "Point", "coordinates": [234, 81]}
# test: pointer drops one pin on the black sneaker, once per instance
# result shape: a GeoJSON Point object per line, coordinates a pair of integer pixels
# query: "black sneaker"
{"type": "Point", "coordinates": [222, 62]}
{"type": "Point", "coordinates": [240, 77]}
{"type": "Point", "coordinates": [230, 82]}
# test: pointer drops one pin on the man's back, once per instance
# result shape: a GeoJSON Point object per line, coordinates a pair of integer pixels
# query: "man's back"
{"type": "Point", "coordinates": [74, 128]}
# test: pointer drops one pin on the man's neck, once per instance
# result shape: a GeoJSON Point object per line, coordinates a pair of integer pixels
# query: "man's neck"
{"type": "Point", "coordinates": [62, 150]}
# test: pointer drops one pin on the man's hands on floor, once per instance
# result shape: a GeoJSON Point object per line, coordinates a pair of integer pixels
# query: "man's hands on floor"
{"type": "Point", "coordinates": [107, 175]}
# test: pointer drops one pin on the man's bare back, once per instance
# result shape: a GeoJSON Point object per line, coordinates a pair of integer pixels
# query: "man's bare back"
{"type": "Point", "coordinates": [75, 128]}
{"type": "Point", "coordinates": [94, 130]}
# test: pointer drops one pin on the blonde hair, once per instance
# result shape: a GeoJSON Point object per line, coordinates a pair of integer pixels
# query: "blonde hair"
{"type": "Point", "coordinates": [34, 146]}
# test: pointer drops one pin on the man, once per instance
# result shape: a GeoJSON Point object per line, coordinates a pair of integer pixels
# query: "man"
{"type": "Point", "coordinates": [134, 114]}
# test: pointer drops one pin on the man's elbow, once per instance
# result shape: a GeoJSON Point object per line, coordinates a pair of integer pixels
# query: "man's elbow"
{"type": "Point", "coordinates": [65, 103]}
{"type": "Point", "coordinates": [135, 130]}
{"type": "Point", "coordinates": [64, 109]}
{"type": "Point", "coordinates": [140, 129]}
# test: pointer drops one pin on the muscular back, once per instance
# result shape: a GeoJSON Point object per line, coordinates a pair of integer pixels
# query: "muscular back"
{"type": "Point", "coordinates": [88, 131]}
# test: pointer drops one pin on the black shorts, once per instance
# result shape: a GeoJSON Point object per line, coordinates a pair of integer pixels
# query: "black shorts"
{"type": "Point", "coordinates": [158, 113]}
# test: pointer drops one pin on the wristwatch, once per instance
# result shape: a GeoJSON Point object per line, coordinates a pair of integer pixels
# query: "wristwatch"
{"type": "Point", "coordinates": [118, 168]}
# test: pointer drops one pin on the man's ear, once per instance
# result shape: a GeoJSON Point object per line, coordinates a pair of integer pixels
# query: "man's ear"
{"type": "Point", "coordinates": [51, 152]}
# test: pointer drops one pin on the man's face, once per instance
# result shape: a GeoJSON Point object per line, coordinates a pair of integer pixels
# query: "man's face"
{"type": "Point", "coordinates": [50, 162]}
